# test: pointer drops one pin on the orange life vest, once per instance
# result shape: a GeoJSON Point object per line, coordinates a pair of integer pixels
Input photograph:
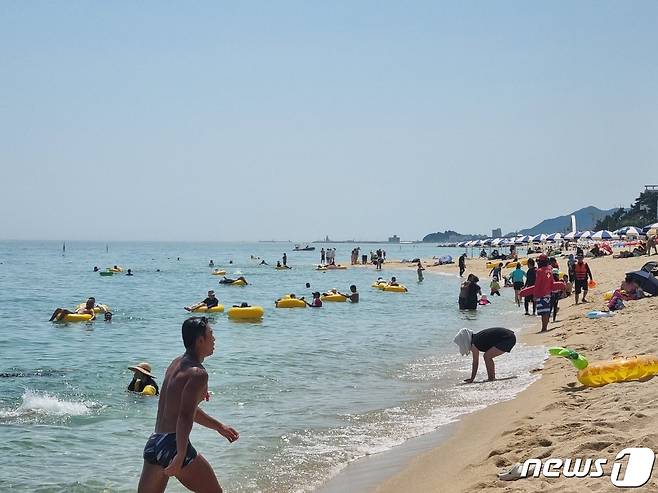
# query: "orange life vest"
{"type": "Point", "coordinates": [581, 270]}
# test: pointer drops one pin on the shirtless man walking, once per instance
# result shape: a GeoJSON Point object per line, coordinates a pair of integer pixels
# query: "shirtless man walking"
{"type": "Point", "coordinates": [168, 451]}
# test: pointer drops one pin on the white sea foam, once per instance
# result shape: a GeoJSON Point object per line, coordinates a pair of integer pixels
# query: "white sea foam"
{"type": "Point", "coordinates": [44, 404]}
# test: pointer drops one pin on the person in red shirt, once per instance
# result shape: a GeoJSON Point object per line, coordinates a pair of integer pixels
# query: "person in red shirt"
{"type": "Point", "coordinates": [541, 291]}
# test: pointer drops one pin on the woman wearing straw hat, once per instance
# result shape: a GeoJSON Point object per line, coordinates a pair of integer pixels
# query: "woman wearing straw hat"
{"type": "Point", "coordinates": [492, 342]}
{"type": "Point", "coordinates": [141, 378]}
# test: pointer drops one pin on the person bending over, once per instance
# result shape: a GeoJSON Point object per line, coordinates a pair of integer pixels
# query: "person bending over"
{"type": "Point", "coordinates": [168, 451]}
{"type": "Point", "coordinates": [492, 342]}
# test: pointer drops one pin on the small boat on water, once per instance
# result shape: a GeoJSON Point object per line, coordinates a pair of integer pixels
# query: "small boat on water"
{"type": "Point", "coordinates": [305, 249]}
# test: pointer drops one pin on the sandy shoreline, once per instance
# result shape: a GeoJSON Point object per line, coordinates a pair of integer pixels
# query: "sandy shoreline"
{"type": "Point", "coordinates": [556, 416]}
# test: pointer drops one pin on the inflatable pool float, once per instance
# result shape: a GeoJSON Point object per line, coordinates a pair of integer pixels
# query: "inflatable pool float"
{"type": "Point", "coordinates": [288, 302]}
{"type": "Point", "coordinates": [148, 390]}
{"type": "Point", "coordinates": [239, 282]}
{"type": "Point", "coordinates": [108, 273]}
{"type": "Point", "coordinates": [97, 309]}
{"type": "Point", "coordinates": [610, 371]}
{"type": "Point", "coordinates": [378, 285]}
{"type": "Point", "coordinates": [246, 313]}
{"type": "Point", "coordinates": [218, 272]}
{"type": "Point", "coordinates": [336, 267]}
{"type": "Point", "coordinates": [282, 268]}
{"type": "Point", "coordinates": [333, 297]}
{"type": "Point", "coordinates": [75, 317]}
{"type": "Point", "coordinates": [214, 309]}
{"type": "Point", "coordinates": [599, 314]}
{"type": "Point", "coordinates": [395, 289]}
{"type": "Point", "coordinates": [112, 269]}
{"type": "Point", "coordinates": [512, 263]}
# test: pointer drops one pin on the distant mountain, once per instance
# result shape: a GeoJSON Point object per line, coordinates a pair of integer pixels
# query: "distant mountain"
{"type": "Point", "coordinates": [586, 218]}
{"type": "Point", "coordinates": [450, 237]}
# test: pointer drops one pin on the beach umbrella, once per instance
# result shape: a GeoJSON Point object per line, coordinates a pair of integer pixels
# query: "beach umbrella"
{"type": "Point", "coordinates": [554, 237]}
{"type": "Point", "coordinates": [583, 235]}
{"type": "Point", "coordinates": [487, 241]}
{"type": "Point", "coordinates": [629, 231]}
{"type": "Point", "coordinates": [539, 238]}
{"type": "Point", "coordinates": [522, 239]}
{"type": "Point", "coordinates": [571, 236]}
{"type": "Point", "coordinates": [649, 226]}
{"type": "Point", "coordinates": [604, 235]}
{"type": "Point", "coordinates": [497, 242]}
{"type": "Point", "coordinates": [461, 244]}
{"type": "Point", "coordinates": [645, 280]}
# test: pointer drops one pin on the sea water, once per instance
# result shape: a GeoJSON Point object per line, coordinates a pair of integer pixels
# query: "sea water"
{"type": "Point", "coordinates": [309, 390]}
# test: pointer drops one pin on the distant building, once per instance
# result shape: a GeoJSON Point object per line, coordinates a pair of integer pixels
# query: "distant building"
{"type": "Point", "coordinates": [394, 239]}
{"type": "Point", "coordinates": [496, 233]}
{"type": "Point", "coordinates": [326, 239]}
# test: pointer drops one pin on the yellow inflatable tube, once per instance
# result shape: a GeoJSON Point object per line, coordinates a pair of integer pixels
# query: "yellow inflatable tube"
{"type": "Point", "coordinates": [239, 282]}
{"type": "Point", "coordinates": [378, 285]}
{"type": "Point", "coordinates": [333, 297]}
{"type": "Point", "coordinates": [288, 302]}
{"type": "Point", "coordinates": [148, 390]}
{"type": "Point", "coordinates": [76, 317]}
{"type": "Point", "coordinates": [112, 269]}
{"type": "Point", "coordinates": [97, 308]}
{"type": "Point", "coordinates": [619, 370]}
{"type": "Point", "coordinates": [214, 309]}
{"type": "Point", "coordinates": [218, 272]}
{"type": "Point", "coordinates": [246, 313]}
{"type": "Point", "coordinates": [396, 289]}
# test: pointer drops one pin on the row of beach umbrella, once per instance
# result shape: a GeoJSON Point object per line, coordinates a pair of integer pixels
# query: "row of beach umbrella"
{"type": "Point", "coordinates": [625, 232]}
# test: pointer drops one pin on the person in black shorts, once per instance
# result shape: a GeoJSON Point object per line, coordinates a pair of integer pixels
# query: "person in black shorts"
{"type": "Point", "coordinates": [492, 342]}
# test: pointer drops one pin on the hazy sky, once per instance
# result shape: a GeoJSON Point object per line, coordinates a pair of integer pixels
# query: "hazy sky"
{"type": "Point", "coordinates": [292, 120]}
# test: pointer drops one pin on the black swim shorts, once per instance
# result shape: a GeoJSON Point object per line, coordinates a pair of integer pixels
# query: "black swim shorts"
{"type": "Point", "coordinates": [160, 450]}
{"type": "Point", "coordinates": [507, 343]}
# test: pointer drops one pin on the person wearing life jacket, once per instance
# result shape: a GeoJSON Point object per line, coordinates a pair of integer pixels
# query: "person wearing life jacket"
{"type": "Point", "coordinates": [542, 289]}
{"type": "Point", "coordinates": [582, 273]}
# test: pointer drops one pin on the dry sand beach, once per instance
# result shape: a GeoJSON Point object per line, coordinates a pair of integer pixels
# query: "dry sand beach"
{"type": "Point", "coordinates": [556, 417]}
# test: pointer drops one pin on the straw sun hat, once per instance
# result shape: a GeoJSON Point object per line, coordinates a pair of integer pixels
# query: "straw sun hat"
{"type": "Point", "coordinates": [143, 367]}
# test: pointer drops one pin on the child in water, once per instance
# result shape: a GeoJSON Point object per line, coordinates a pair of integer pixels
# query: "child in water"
{"type": "Point", "coordinates": [495, 287]}
{"type": "Point", "coordinates": [483, 300]}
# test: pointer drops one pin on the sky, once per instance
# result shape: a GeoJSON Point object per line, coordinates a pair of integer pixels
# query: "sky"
{"type": "Point", "coordinates": [222, 121]}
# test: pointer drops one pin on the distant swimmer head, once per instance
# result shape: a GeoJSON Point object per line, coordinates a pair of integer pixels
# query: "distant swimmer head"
{"type": "Point", "coordinates": [308, 284]}
{"type": "Point", "coordinates": [108, 316]}
{"type": "Point", "coordinates": [464, 339]}
{"type": "Point", "coordinates": [353, 288]}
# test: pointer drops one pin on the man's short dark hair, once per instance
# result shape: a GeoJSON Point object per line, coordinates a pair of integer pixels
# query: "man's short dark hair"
{"type": "Point", "coordinates": [193, 328]}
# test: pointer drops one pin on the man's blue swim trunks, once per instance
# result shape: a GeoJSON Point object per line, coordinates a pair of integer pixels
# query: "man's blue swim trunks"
{"type": "Point", "coordinates": [160, 450]}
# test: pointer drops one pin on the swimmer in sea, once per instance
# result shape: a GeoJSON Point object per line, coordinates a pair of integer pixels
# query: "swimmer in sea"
{"type": "Point", "coordinates": [168, 451]}
{"type": "Point", "coordinates": [317, 302]}
{"type": "Point", "coordinates": [141, 378]}
{"type": "Point", "coordinates": [353, 296]}
{"type": "Point", "coordinates": [129, 273]}
{"type": "Point", "coordinates": [228, 280]}
{"type": "Point", "coordinates": [210, 302]}
{"type": "Point", "coordinates": [88, 309]}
